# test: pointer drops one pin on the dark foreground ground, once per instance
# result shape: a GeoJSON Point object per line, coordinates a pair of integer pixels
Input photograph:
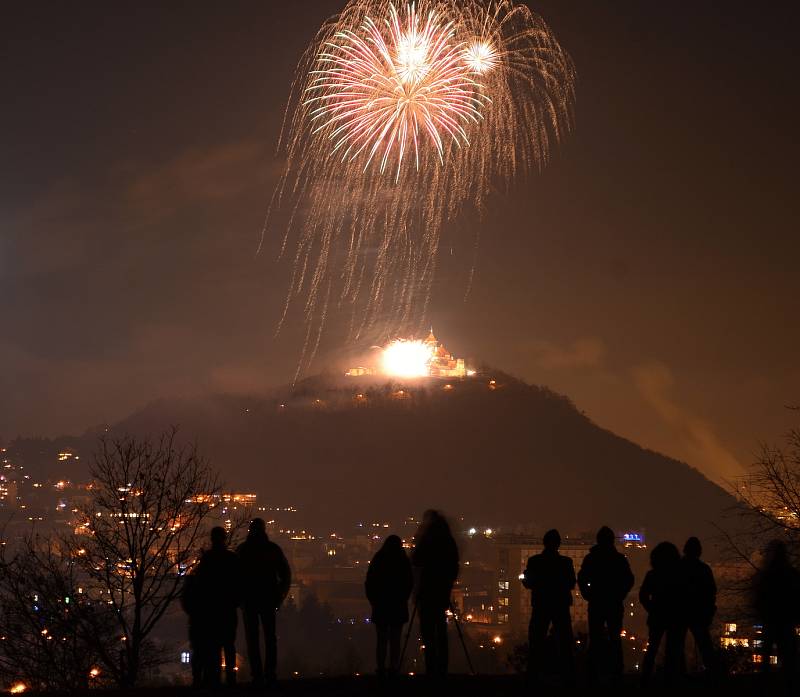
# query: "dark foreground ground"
{"type": "Point", "coordinates": [458, 686]}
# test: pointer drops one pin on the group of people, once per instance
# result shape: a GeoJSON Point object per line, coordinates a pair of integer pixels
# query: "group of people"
{"type": "Point", "coordinates": [256, 578]}
{"type": "Point", "coordinates": [678, 592]}
{"type": "Point", "coordinates": [391, 577]}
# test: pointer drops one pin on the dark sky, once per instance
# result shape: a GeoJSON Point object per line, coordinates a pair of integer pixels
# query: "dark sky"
{"type": "Point", "coordinates": [649, 272]}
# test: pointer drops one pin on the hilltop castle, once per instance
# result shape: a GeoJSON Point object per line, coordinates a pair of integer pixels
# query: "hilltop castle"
{"type": "Point", "coordinates": [444, 364]}
{"type": "Point", "coordinates": [440, 364]}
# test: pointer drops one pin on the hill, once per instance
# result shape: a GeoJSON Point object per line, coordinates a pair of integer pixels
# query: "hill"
{"type": "Point", "coordinates": [490, 447]}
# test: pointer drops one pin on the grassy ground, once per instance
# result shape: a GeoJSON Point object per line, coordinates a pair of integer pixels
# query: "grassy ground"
{"type": "Point", "coordinates": [460, 686]}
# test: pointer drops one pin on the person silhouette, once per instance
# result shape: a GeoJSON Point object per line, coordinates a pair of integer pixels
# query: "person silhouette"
{"type": "Point", "coordinates": [701, 602]}
{"type": "Point", "coordinates": [605, 578]}
{"type": "Point", "coordinates": [219, 578]}
{"type": "Point", "coordinates": [662, 595]}
{"type": "Point", "coordinates": [388, 586]}
{"type": "Point", "coordinates": [435, 560]}
{"type": "Point", "coordinates": [193, 605]}
{"type": "Point", "coordinates": [776, 599]}
{"type": "Point", "coordinates": [550, 577]}
{"type": "Point", "coordinates": [266, 579]}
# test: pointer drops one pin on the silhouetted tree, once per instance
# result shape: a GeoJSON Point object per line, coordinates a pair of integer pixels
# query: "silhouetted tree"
{"type": "Point", "coordinates": [767, 508]}
{"type": "Point", "coordinates": [776, 599]}
{"type": "Point", "coordinates": [149, 503]}
{"type": "Point", "coordinates": [737, 660]}
{"type": "Point", "coordinates": [769, 497]}
{"type": "Point", "coordinates": [312, 641]}
{"type": "Point", "coordinates": [518, 658]}
{"type": "Point", "coordinates": [54, 635]}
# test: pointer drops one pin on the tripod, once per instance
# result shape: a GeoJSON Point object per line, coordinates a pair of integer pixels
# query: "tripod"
{"type": "Point", "coordinates": [458, 629]}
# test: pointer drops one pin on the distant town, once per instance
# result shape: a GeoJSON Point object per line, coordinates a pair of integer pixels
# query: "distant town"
{"type": "Point", "coordinates": [329, 566]}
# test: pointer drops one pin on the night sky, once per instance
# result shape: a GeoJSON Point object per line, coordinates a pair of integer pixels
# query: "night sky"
{"type": "Point", "coordinates": [649, 272]}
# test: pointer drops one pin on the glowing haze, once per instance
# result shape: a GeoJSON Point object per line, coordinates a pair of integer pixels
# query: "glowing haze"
{"type": "Point", "coordinates": [400, 115]}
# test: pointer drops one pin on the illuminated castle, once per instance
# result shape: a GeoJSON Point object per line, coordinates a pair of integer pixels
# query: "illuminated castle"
{"type": "Point", "coordinates": [443, 364]}
{"type": "Point", "coordinates": [415, 358]}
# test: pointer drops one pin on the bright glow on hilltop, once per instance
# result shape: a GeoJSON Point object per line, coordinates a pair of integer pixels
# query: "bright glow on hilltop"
{"type": "Point", "coordinates": [407, 359]}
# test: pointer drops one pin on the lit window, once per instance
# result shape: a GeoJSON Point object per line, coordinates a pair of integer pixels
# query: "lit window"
{"type": "Point", "coordinates": [732, 641]}
{"type": "Point", "coordinates": [186, 657]}
{"type": "Point", "coordinates": [730, 628]}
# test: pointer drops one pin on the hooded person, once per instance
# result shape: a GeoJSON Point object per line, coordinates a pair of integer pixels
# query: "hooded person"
{"type": "Point", "coordinates": [605, 579]}
{"type": "Point", "coordinates": [701, 602]}
{"type": "Point", "coordinates": [214, 598]}
{"type": "Point", "coordinates": [266, 579]}
{"type": "Point", "coordinates": [663, 595]}
{"type": "Point", "coordinates": [435, 561]}
{"type": "Point", "coordinates": [193, 603]}
{"type": "Point", "coordinates": [550, 577]}
{"type": "Point", "coordinates": [388, 587]}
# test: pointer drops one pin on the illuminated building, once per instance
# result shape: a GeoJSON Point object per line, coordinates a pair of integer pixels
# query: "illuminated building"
{"type": "Point", "coordinates": [748, 637]}
{"type": "Point", "coordinates": [8, 493]}
{"type": "Point", "coordinates": [414, 358]}
{"type": "Point", "coordinates": [444, 364]}
{"type": "Point", "coordinates": [244, 499]}
{"type": "Point", "coordinates": [359, 371]}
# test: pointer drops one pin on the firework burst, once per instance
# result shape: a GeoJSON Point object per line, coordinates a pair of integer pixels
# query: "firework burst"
{"type": "Point", "coordinates": [386, 91]}
{"type": "Point", "coordinates": [401, 115]}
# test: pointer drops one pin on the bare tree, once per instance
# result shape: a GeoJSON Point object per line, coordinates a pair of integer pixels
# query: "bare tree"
{"type": "Point", "coordinates": [54, 636]}
{"type": "Point", "coordinates": [769, 497]}
{"type": "Point", "coordinates": [149, 505]}
{"type": "Point", "coordinates": [767, 507]}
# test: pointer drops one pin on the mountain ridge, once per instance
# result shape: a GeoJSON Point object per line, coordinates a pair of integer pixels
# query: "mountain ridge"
{"type": "Point", "coordinates": [489, 448]}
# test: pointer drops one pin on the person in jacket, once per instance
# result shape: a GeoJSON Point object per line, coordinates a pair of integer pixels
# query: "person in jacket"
{"type": "Point", "coordinates": [193, 604]}
{"type": "Point", "coordinates": [266, 579]}
{"type": "Point", "coordinates": [701, 602]}
{"type": "Point", "coordinates": [388, 588]}
{"type": "Point", "coordinates": [663, 594]}
{"type": "Point", "coordinates": [550, 577]}
{"type": "Point", "coordinates": [605, 579]}
{"type": "Point", "coordinates": [218, 576]}
{"type": "Point", "coordinates": [435, 560]}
